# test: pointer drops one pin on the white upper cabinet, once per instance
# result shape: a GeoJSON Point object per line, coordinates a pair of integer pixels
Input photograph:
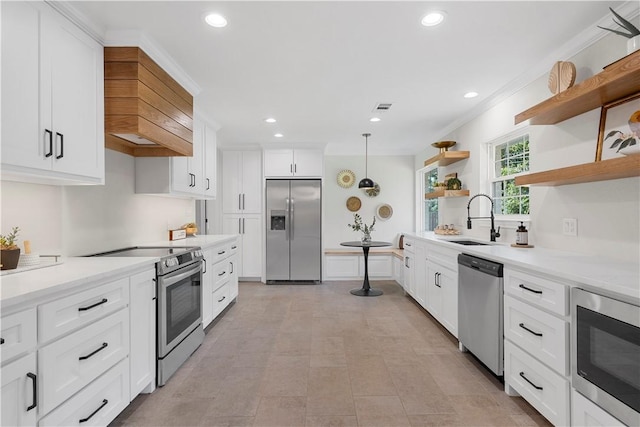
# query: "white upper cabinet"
{"type": "Point", "coordinates": [293, 163]}
{"type": "Point", "coordinates": [242, 177]}
{"type": "Point", "coordinates": [182, 176]}
{"type": "Point", "coordinates": [52, 98]}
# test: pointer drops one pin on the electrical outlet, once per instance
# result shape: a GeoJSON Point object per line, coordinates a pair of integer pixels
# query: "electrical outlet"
{"type": "Point", "coordinates": [570, 226]}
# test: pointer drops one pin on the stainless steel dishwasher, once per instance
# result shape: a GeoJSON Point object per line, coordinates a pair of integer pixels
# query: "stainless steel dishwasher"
{"type": "Point", "coordinates": [480, 307]}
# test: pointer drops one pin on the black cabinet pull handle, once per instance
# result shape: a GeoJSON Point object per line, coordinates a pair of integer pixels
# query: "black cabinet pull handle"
{"type": "Point", "coordinates": [1, 341]}
{"type": "Point", "coordinates": [205, 266]}
{"type": "Point", "coordinates": [34, 399]}
{"type": "Point", "coordinates": [231, 264]}
{"type": "Point", "coordinates": [529, 381]}
{"type": "Point", "coordinates": [104, 300]}
{"type": "Point", "coordinates": [102, 347]}
{"type": "Point", "coordinates": [50, 153]}
{"type": "Point", "coordinates": [222, 273]}
{"type": "Point", "coordinates": [437, 279]}
{"type": "Point", "coordinates": [223, 298]}
{"type": "Point", "coordinates": [535, 291]}
{"type": "Point", "coordinates": [208, 184]}
{"type": "Point", "coordinates": [61, 155]}
{"type": "Point", "coordinates": [84, 420]}
{"type": "Point", "coordinates": [538, 334]}
{"type": "Point", "coordinates": [234, 247]}
{"type": "Point", "coordinates": [295, 168]}
{"type": "Point", "coordinates": [222, 252]}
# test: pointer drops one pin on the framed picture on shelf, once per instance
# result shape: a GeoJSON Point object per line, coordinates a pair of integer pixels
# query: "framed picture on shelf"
{"type": "Point", "coordinates": [619, 131]}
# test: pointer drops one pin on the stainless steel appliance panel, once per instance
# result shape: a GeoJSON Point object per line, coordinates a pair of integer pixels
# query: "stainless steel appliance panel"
{"type": "Point", "coordinates": [305, 230]}
{"type": "Point", "coordinates": [480, 309]}
{"type": "Point", "coordinates": [605, 353]}
{"type": "Point", "coordinates": [278, 229]}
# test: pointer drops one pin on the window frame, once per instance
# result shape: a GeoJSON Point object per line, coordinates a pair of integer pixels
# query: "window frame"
{"type": "Point", "coordinates": [491, 177]}
{"type": "Point", "coordinates": [422, 190]}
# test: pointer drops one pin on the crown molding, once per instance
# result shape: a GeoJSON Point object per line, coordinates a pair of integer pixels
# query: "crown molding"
{"type": "Point", "coordinates": [630, 10]}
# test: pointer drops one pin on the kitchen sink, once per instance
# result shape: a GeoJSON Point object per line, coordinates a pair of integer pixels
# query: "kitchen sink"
{"type": "Point", "coordinates": [468, 242]}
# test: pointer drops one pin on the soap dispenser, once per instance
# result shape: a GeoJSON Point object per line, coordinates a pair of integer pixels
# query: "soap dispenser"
{"type": "Point", "coordinates": [522, 235]}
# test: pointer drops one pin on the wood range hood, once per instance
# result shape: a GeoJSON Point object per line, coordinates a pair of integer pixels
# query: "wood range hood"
{"type": "Point", "coordinates": [147, 113]}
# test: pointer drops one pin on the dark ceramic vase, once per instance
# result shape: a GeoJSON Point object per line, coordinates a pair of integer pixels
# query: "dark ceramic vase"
{"type": "Point", "coordinates": [9, 258]}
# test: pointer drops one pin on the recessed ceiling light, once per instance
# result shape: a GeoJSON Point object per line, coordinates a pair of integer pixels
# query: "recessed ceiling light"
{"type": "Point", "coordinates": [374, 119]}
{"type": "Point", "coordinates": [278, 135]}
{"type": "Point", "coordinates": [471, 94]}
{"type": "Point", "coordinates": [432, 18]}
{"type": "Point", "coordinates": [216, 20]}
{"type": "Point", "coordinates": [270, 120]}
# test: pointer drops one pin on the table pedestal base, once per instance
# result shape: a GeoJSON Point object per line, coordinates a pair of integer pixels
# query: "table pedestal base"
{"type": "Point", "coordinates": [366, 292]}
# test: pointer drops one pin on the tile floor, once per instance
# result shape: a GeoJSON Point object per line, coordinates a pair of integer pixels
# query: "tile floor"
{"type": "Point", "coordinates": [314, 355]}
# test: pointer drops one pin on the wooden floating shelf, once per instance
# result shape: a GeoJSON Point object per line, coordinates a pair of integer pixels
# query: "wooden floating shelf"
{"type": "Point", "coordinates": [618, 80]}
{"type": "Point", "coordinates": [621, 167]}
{"type": "Point", "coordinates": [447, 157]}
{"type": "Point", "coordinates": [446, 193]}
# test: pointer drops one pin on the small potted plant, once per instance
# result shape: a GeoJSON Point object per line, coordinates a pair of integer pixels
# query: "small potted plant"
{"type": "Point", "coordinates": [9, 251]}
{"type": "Point", "coordinates": [632, 32]}
{"type": "Point", "coordinates": [366, 230]}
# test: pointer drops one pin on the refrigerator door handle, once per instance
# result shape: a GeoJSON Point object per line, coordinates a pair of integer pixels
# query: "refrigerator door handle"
{"type": "Point", "coordinates": [287, 218]}
{"type": "Point", "coordinates": [239, 229]}
{"type": "Point", "coordinates": [292, 213]}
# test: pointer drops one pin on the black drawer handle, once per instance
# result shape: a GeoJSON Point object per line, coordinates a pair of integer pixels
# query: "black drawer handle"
{"type": "Point", "coordinates": [50, 153]}
{"type": "Point", "coordinates": [538, 334]}
{"type": "Point", "coordinates": [527, 380]}
{"type": "Point", "coordinates": [34, 399]}
{"type": "Point", "coordinates": [222, 273]}
{"type": "Point", "coordinates": [104, 403]}
{"type": "Point", "coordinates": [61, 155]}
{"type": "Point", "coordinates": [234, 247]}
{"type": "Point", "coordinates": [223, 298]}
{"type": "Point", "coordinates": [104, 300]}
{"type": "Point", "coordinates": [222, 252]}
{"type": "Point", "coordinates": [102, 347]}
{"type": "Point", "coordinates": [535, 291]}
{"type": "Point", "coordinates": [1, 341]}
{"type": "Point", "coordinates": [208, 184]}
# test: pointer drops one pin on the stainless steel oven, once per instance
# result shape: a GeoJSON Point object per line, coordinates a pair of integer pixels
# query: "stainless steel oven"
{"type": "Point", "coordinates": [605, 344]}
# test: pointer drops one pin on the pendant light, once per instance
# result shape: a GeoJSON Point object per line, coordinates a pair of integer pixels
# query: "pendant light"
{"type": "Point", "coordinates": [366, 183]}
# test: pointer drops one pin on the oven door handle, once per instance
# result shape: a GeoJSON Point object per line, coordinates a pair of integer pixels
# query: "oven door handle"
{"type": "Point", "coordinates": [168, 281]}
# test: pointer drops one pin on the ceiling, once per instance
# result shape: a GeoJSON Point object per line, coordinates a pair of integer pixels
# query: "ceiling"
{"type": "Point", "coordinates": [321, 67]}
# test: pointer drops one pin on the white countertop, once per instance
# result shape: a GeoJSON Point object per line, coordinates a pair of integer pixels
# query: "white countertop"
{"type": "Point", "coordinates": [38, 285]}
{"type": "Point", "coordinates": [611, 277]}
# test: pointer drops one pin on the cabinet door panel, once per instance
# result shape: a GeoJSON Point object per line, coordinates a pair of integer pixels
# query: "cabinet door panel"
{"type": "Point", "coordinates": [22, 142]}
{"type": "Point", "coordinates": [252, 182]}
{"type": "Point", "coordinates": [75, 64]}
{"type": "Point", "coordinates": [142, 339]}
{"type": "Point", "coordinates": [231, 176]}
{"type": "Point", "coordinates": [210, 160]}
{"type": "Point", "coordinates": [17, 392]}
{"type": "Point", "coordinates": [278, 163]}
{"type": "Point", "coordinates": [251, 247]}
{"type": "Point", "coordinates": [19, 333]}
{"type": "Point", "coordinates": [308, 163]}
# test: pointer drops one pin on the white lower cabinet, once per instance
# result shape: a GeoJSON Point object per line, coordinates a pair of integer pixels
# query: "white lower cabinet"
{"type": "Point", "coordinates": [70, 363]}
{"type": "Point", "coordinates": [142, 338]}
{"type": "Point", "coordinates": [544, 389]}
{"type": "Point", "coordinates": [585, 413]}
{"type": "Point", "coordinates": [442, 296]}
{"type": "Point", "coordinates": [220, 281]}
{"type": "Point", "coordinates": [249, 227]}
{"type": "Point", "coordinates": [18, 334]}
{"type": "Point", "coordinates": [98, 404]}
{"type": "Point", "coordinates": [19, 386]}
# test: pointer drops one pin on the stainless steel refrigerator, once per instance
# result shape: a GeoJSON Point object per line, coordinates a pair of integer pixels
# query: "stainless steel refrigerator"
{"type": "Point", "coordinates": [293, 230]}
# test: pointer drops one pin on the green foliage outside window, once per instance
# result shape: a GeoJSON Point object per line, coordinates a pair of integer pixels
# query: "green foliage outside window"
{"type": "Point", "coordinates": [430, 205]}
{"type": "Point", "coordinates": [510, 158]}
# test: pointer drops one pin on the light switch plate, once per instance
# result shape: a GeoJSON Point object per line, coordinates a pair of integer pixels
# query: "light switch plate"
{"type": "Point", "coordinates": [570, 226]}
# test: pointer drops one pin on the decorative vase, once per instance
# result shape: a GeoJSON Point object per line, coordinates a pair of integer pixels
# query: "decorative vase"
{"type": "Point", "coordinates": [366, 238]}
{"type": "Point", "coordinates": [633, 44]}
{"type": "Point", "coordinates": [9, 258]}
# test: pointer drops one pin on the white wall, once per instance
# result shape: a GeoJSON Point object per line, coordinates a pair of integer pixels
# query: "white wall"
{"type": "Point", "coordinates": [77, 220]}
{"type": "Point", "coordinates": [394, 174]}
{"type": "Point", "coordinates": [608, 212]}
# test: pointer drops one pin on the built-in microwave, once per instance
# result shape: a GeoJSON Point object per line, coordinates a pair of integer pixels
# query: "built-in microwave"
{"type": "Point", "coordinates": [605, 348]}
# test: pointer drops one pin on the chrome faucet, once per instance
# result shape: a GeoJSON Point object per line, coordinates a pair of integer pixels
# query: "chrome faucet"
{"type": "Point", "coordinates": [494, 233]}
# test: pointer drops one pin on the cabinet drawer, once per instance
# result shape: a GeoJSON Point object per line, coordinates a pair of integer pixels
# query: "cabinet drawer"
{"type": "Point", "coordinates": [543, 335]}
{"type": "Point", "coordinates": [72, 362]}
{"type": "Point", "coordinates": [221, 252]}
{"type": "Point", "coordinates": [100, 402]}
{"type": "Point", "coordinates": [67, 314]}
{"type": "Point", "coordinates": [234, 247]}
{"type": "Point", "coordinates": [551, 398]}
{"type": "Point", "coordinates": [18, 334]}
{"type": "Point", "coordinates": [220, 273]}
{"type": "Point", "coordinates": [541, 292]}
{"type": "Point", "coordinates": [409, 245]}
{"type": "Point", "coordinates": [220, 299]}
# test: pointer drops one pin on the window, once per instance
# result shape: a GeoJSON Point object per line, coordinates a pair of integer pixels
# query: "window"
{"type": "Point", "coordinates": [509, 159]}
{"type": "Point", "coordinates": [430, 208]}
